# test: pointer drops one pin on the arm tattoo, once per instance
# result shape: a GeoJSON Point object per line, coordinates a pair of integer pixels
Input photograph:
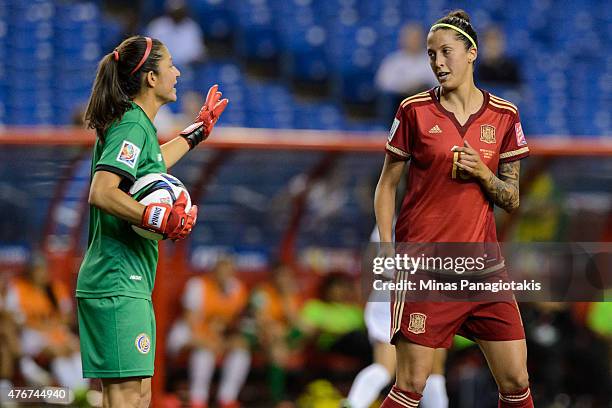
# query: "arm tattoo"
{"type": "Point", "coordinates": [504, 190]}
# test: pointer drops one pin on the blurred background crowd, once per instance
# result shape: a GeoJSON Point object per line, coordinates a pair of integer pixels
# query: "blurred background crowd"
{"type": "Point", "coordinates": [270, 330]}
{"type": "Point", "coordinates": [239, 323]}
{"type": "Point", "coordinates": [287, 339]}
{"type": "Point", "coordinates": [337, 61]}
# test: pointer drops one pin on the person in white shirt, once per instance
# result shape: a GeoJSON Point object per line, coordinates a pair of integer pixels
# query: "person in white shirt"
{"type": "Point", "coordinates": [168, 122]}
{"type": "Point", "coordinates": [406, 71]}
{"type": "Point", "coordinates": [180, 33]}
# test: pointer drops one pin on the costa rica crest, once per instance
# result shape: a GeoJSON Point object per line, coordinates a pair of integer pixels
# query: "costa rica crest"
{"type": "Point", "coordinates": [143, 343]}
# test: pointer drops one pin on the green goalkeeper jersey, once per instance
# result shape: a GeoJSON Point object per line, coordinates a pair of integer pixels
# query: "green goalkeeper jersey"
{"type": "Point", "coordinates": [119, 262]}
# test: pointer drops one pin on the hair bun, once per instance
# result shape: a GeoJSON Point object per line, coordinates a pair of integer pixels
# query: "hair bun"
{"type": "Point", "coordinates": [459, 13]}
{"type": "Point", "coordinates": [461, 20]}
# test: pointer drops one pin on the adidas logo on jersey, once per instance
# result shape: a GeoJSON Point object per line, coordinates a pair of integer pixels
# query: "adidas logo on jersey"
{"type": "Point", "coordinates": [435, 129]}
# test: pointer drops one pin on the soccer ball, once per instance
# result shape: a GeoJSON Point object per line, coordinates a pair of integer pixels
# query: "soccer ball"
{"type": "Point", "coordinates": [157, 188]}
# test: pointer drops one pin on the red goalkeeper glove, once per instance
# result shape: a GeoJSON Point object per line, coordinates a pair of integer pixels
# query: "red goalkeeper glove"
{"type": "Point", "coordinates": [206, 119]}
{"type": "Point", "coordinates": [172, 222]}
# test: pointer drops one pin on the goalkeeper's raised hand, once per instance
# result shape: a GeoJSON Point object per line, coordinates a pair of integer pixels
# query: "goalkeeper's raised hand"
{"type": "Point", "coordinates": [207, 117]}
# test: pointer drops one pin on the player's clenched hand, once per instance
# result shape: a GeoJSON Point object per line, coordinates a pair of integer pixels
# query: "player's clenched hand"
{"type": "Point", "coordinates": [172, 222]}
{"type": "Point", "coordinates": [190, 220]}
{"type": "Point", "coordinates": [207, 117]}
{"type": "Point", "coordinates": [470, 162]}
{"type": "Point", "coordinates": [386, 251]}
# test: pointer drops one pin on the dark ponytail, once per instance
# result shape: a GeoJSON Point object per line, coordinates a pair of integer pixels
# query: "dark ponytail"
{"type": "Point", "coordinates": [460, 19]}
{"type": "Point", "coordinates": [115, 84]}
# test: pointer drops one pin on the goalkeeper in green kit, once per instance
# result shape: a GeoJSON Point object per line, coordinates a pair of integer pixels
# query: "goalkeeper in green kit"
{"type": "Point", "coordinates": [116, 319]}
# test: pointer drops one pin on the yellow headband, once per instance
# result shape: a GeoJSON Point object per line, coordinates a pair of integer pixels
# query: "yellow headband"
{"type": "Point", "coordinates": [457, 29]}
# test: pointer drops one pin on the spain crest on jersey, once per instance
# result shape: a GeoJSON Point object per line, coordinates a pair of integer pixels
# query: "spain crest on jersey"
{"type": "Point", "coordinates": [417, 323]}
{"type": "Point", "coordinates": [487, 134]}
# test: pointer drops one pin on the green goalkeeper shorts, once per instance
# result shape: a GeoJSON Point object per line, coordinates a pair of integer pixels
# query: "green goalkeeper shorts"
{"type": "Point", "coordinates": [117, 336]}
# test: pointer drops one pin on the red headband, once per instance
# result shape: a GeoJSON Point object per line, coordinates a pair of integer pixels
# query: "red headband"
{"type": "Point", "coordinates": [145, 56]}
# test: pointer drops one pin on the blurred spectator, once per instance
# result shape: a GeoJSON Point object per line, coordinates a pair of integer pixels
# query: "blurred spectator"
{"type": "Point", "coordinates": [549, 328]}
{"type": "Point", "coordinates": [209, 330]}
{"type": "Point", "coordinates": [493, 66]}
{"type": "Point", "coordinates": [406, 71]}
{"type": "Point", "coordinates": [542, 216]}
{"type": "Point", "coordinates": [568, 358]}
{"type": "Point", "coordinates": [120, 19]}
{"type": "Point", "coordinates": [600, 320]}
{"type": "Point", "coordinates": [180, 33]}
{"type": "Point", "coordinates": [9, 340]}
{"type": "Point", "coordinates": [325, 197]}
{"type": "Point", "coordinates": [594, 357]}
{"type": "Point", "coordinates": [168, 122]}
{"type": "Point", "coordinates": [276, 308]}
{"type": "Point", "coordinates": [335, 321]}
{"type": "Point", "coordinates": [43, 307]}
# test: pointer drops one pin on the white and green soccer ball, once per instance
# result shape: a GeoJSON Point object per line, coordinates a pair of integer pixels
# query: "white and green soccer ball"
{"type": "Point", "coordinates": [157, 188]}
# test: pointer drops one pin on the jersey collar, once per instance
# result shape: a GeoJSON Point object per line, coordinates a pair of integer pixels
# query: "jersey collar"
{"type": "Point", "coordinates": [137, 106]}
{"type": "Point", "coordinates": [435, 93]}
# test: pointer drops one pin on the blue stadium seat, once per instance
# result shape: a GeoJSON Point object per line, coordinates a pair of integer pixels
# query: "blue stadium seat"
{"type": "Point", "coordinates": [233, 117]}
{"type": "Point", "coordinates": [31, 79]}
{"type": "Point", "coordinates": [216, 17]}
{"type": "Point", "coordinates": [258, 36]}
{"type": "Point", "coordinates": [227, 72]}
{"type": "Point", "coordinates": [277, 115]}
{"type": "Point", "coordinates": [30, 116]}
{"type": "Point", "coordinates": [318, 116]}
{"type": "Point", "coordinates": [259, 42]}
{"type": "Point", "coordinates": [74, 15]}
{"type": "Point", "coordinates": [110, 34]}
{"type": "Point", "coordinates": [79, 76]}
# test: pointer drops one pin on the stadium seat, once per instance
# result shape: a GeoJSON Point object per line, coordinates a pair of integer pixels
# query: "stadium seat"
{"type": "Point", "coordinates": [216, 18]}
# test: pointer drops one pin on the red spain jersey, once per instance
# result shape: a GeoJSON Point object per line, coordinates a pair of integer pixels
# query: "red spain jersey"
{"type": "Point", "coordinates": [440, 206]}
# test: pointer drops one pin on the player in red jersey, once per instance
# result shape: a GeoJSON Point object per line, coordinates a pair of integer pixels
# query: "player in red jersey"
{"type": "Point", "coordinates": [464, 147]}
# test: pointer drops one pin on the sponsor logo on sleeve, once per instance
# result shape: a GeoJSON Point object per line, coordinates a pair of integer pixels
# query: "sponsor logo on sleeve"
{"type": "Point", "coordinates": [520, 136]}
{"type": "Point", "coordinates": [128, 154]}
{"type": "Point", "coordinates": [394, 127]}
{"type": "Point", "coordinates": [143, 343]}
